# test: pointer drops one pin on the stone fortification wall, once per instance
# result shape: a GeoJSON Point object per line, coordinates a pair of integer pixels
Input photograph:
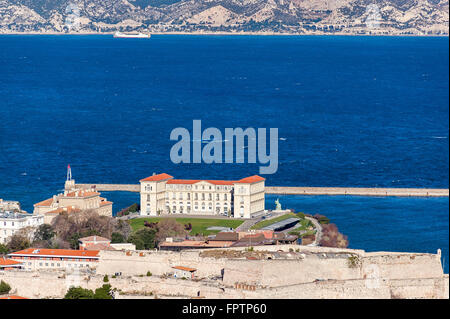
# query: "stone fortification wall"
{"type": "Point", "coordinates": [284, 271]}
{"type": "Point", "coordinates": [326, 266]}
{"type": "Point", "coordinates": [52, 285]}
{"type": "Point", "coordinates": [364, 289]}
{"type": "Point", "coordinates": [158, 263]}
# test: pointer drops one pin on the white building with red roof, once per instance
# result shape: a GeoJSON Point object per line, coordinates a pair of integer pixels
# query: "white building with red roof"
{"type": "Point", "coordinates": [162, 194]}
{"type": "Point", "coordinates": [43, 258]}
{"type": "Point", "coordinates": [73, 200]}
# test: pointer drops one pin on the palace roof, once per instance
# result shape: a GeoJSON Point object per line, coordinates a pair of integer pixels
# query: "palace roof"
{"type": "Point", "coordinates": [156, 178]}
{"type": "Point", "coordinates": [164, 176]}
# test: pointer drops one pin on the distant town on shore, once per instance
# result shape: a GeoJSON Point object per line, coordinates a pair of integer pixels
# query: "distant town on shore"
{"type": "Point", "coordinates": [353, 17]}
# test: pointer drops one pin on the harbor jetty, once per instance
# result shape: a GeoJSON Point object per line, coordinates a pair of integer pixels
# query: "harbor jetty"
{"type": "Point", "coordinates": [284, 190]}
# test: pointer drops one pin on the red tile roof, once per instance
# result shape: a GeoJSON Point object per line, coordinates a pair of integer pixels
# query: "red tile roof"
{"type": "Point", "coordinates": [105, 203]}
{"type": "Point", "coordinates": [82, 194]}
{"type": "Point", "coordinates": [161, 177]}
{"type": "Point", "coordinates": [251, 179]}
{"type": "Point", "coordinates": [9, 262]}
{"type": "Point", "coordinates": [46, 202]}
{"type": "Point", "coordinates": [183, 181]}
{"type": "Point", "coordinates": [194, 181]}
{"type": "Point", "coordinates": [221, 182]}
{"type": "Point", "coordinates": [13, 297]}
{"type": "Point", "coordinates": [156, 178]}
{"type": "Point", "coordinates": [184, 268]}
{"type": "Point", "coordinates": [56, 252]}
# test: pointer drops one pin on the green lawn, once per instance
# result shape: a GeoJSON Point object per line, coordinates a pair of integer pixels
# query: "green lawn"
{"type": "Point", "coordinates": [199, 225]}
{"type": "Point", "coordinates": [268, 222]}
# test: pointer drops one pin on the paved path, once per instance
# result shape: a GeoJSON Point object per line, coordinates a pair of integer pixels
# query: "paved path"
{"type": "Point", "coordinates": [245, 226]}
{"type": "Point", "coordinates": [282, 190]}
{"type": "Point", "coordinates": [318, 231]}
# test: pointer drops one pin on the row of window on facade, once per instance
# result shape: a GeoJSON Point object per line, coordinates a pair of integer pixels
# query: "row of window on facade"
{"type": "Point", "coordinates": [196, 208]}
{"type": "Point", "coordinates": [197, 196]}
{"type": "Point", "coordinates": [188, 208]}
{"type": "Point", "coordinates": [20, 224]}
{"type": "Point", "coordinates": [188, 187]}
{"type": "Point", "coordinates": [59, 265]}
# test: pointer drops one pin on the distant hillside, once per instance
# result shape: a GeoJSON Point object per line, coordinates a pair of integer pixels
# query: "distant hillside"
{"type": "Point", "coordinates": [261, 16]}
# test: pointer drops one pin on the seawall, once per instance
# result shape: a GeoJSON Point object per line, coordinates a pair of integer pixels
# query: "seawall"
{"type": "Point", "coordinates": [285, 190]}
{"type": "Point", "coordinates": [308, 272]}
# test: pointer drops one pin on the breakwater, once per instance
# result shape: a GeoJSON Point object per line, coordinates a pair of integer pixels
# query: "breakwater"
{"type": "Point", "coordinates": [358, 191]}
{"type": "Point", "coordinates": [284, 190]}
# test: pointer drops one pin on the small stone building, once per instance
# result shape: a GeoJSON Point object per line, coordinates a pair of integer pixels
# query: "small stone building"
{"type": "Point", "coordinates": [184, 272]}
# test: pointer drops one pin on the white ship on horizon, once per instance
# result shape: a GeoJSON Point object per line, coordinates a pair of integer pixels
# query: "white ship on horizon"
{"type": "Point", "coordinates": [119, 34]}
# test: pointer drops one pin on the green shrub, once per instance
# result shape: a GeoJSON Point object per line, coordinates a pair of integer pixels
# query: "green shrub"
{"type": "Point", "coordinates": [143, 238]}
{"type": "Point", "coordinates": [149, 273]}
{"type": "Point", "coordinates": [300, 215]}
{"type": "Point", "coordinates": [117, 238]}
{"type": "Point", "coordinates": [3, 250]}
{"type": "Point", "coordinates": [79, 293]}
{"type": "Point", "coordinates": [353, 261]}
{"type": "Point", "coordinates": [106, 279]}
{"type": "Point", "coordinates": [103, 293]}
{"type": "Point", "coordinates": [4, 288]}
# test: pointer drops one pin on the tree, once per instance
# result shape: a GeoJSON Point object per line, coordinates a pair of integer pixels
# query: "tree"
{"type": "Point", "coordinates": [4, 288]}
{"type": "Point", "coordinates": [143, 238]}
{"type": "Point", "coordinates": [121, 227]}
{"type": "Point", "coordinates": [103, 293]}
{"type": "Point", "coordinates": [322, 219]}
{"type": "Point", "coordinates": [168, 227]}
{"type": "Point", "coordinates": [79, 293]}
{"type": "Point", "coordinates": [126, 211]}
{"type": "Point", "coordinates": [3, 249]}
{"type": "Point", "coordinates": [44, 232]}
{"type": "Point", "coordinates": [331, 237]}
{"type": "Point", "coordinates": [117, 238]}
{"type": "Point", "coordinates": [18, 242]}
{"type": "Point", "coordinates": [70, 228]}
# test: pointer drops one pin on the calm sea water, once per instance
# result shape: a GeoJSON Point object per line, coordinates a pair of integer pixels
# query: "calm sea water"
{"type": "Point", "coordinates": [351, 111]}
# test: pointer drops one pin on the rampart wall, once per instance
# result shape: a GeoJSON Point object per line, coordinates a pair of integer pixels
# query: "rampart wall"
{"type": "Point", "coordinates": [284, 271]}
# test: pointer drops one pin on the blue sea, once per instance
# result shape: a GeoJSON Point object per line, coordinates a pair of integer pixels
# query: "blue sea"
{"type": "Point", "coordinates": [350, 111]}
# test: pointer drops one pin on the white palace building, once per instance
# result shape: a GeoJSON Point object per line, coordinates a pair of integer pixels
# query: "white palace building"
{"type": "Point", "coordinates": [162, 194]}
